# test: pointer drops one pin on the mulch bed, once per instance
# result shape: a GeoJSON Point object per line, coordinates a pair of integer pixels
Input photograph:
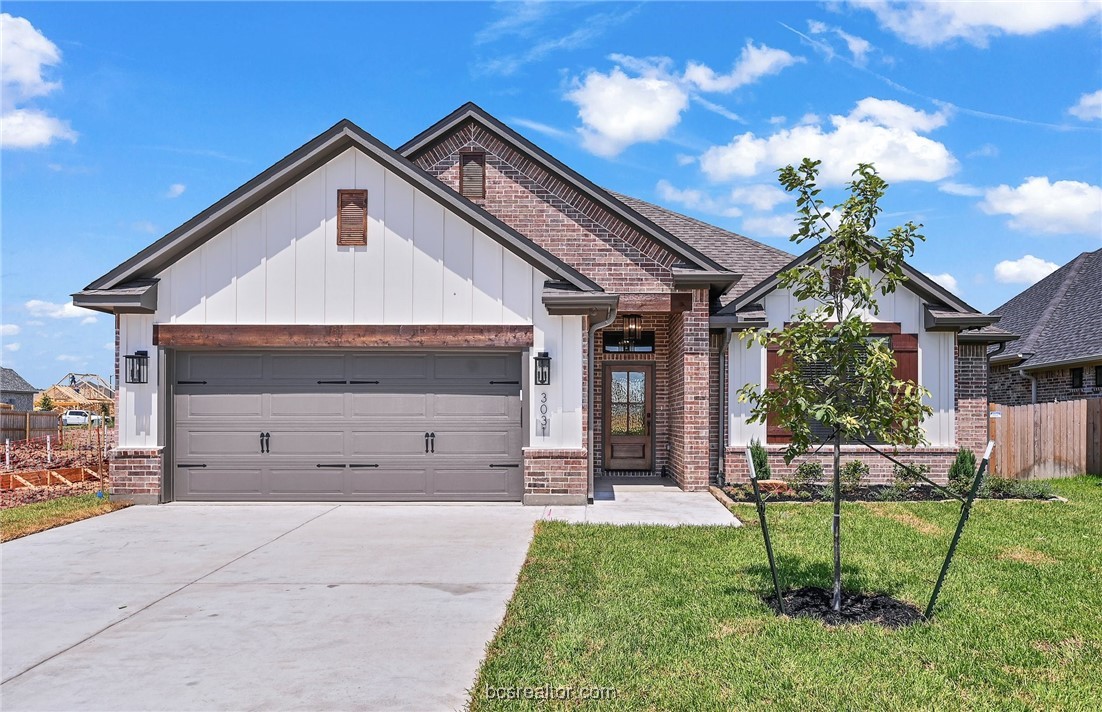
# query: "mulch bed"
{"type": "Point", "coordinates": [878, 608]}
{"type": "Point", "coordinates": [872, 493]}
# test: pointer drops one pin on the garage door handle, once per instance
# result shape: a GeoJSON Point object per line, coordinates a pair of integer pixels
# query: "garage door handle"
{"type": "Point", "coordinates": [496, 465]}
{"type": "Point", "coordinates": [337, 383]}
{"type": "Point", "coordinates": [504, 383]}
{"type": "Point", "coordinates": [364, 383]}
{"type": "Point", "coordinates": [191, 383]}
{"type": "Point", "coordinates": [182, 465]}
{"type": "Point", "coordinates": [342, 466]}
{"type": "Point", "coordinates": [359, 465]}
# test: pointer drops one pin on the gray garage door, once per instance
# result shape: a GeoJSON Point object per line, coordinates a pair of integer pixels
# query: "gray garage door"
{"type": "Point", "coordinates": [325, 426]}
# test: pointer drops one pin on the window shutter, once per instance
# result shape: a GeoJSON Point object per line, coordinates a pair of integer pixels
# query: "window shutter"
{"type": "Point", "coordinates": [905, 349]}
{"type": "Point", "coordinates": [472, 175]}
{"type": "Point", "coordinates": [773, 432]}
{"type": "Point", "coordinates": [352, 217]}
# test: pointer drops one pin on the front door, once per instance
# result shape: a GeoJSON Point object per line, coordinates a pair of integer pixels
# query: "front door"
{"type": "Point", "coordinates": [628, 416]}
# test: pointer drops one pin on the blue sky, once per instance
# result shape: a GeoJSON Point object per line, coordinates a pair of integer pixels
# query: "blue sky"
{"type": "Point", "coordinates": [121, 121]}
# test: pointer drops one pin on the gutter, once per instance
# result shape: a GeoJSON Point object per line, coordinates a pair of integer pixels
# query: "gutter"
{"type": "Point", "coordinates": [721, 473]}
{"type": "Point", "coordinates": [594, 327]}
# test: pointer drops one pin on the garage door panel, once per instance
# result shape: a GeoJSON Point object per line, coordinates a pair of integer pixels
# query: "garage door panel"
{"type": "Point", "coordinates": [472, 367]}
{"type": "Point", "coordinates": [220, 405]}
{"type": "Point", "coordinates": [389, 481]}
{"type": "Point", "coordinates": [388, 443]}
{"type": "Point", "coordinates": [220, 482]}
{"type": "Point", "coordinates": [389, 367]}
{"type": "Point", "coordinates": [216, 443]}
{"type": "Point", "coordinates": [390, 405]}
{"type": "Point", "coordinates": [306, 367]}
{"type": "Point", "coordinates": [307, 405]}
{"type": "Point", "coordinates": [467, 405]}
{"type": "Point", "coordinates": [306, 443]}
{"type": "Point", "coordinates": [490, 443]}
{"type": "Point", "coordinates": [216, 366]}
{"type": "Point", "coordinates": [483, 481]}
{"type": "Point", "coordinates": [307, 481]}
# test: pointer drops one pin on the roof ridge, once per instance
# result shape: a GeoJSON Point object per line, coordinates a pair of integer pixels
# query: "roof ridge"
{"type": "Point", "coordinates": [619, 196]}
{"type": "Point", "coordinates": [1048, 316]}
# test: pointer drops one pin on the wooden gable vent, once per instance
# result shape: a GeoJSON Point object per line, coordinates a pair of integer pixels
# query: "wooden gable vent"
{"type": "Point", "coordinates": [472, 174]}
{"type": "Point", "coordinates": [352, 217]}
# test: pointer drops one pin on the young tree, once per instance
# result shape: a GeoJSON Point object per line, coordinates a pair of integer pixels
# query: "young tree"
{"type": "Point", "coordinates": [45, 402]}
{"type": "Point", "coordinates": [833, 370]}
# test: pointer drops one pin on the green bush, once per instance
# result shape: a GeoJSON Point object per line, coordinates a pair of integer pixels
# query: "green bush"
{"type": "Point", "coordinates": [962, 471]}
{"type": "Point", "coordinates": [904, 477]}
{"type": "Point", "coordinates": [806, 475]}
{"type": "Point", "coordinates": [760, 457]}
{"type": "Point", "coordinates": [852, 474]}
{"type": "Point", "coordinates": [1015, 489]}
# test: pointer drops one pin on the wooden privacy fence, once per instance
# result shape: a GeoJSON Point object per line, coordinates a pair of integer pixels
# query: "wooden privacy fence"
{"type": "Point", "coordinates": [1047, 439]}
{"type": "Point", "coordinates": [23, 425]}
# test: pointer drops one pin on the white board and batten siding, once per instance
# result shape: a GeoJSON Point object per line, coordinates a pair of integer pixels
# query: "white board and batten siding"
{"type": "Point", "coordinates": [422, 264]}
{"type": "Point", "coordinates": [935, 364]}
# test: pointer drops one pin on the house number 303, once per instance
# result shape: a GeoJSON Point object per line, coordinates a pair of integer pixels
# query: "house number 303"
{"type": "Point", "coordinates": [543, 414]}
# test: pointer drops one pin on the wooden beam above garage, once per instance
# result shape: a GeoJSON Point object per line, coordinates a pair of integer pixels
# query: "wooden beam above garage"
{"type": "Point", "coordinates": [224, 336]}
{"type": "Point", "coordinates": [658, 302]}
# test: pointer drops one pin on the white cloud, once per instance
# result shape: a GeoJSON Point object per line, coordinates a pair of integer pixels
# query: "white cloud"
{"type": "Point", "coordinates": [755, 62]}
{"type": "Point", "coordinates": [13, 346]}
{"type": "Point", "coordinates": [987, 150]}
{"type": "Point", "coordinates": [40, 308]}
{"type": "Point", "coordinates": [24, 52]}
{"type": "Point", "coordinates": [539, 127]}
{"type": "Point", "coordinates": [927, 24]}
{"type": "Point", "coordinates": [858, 47]}
{"type": "Point", "coordinates": [964, 189]}
{"type": "Point", "coordinates": [9, 329]}
{"type": "Point", "coordinates": [68, 358]}
{"type": "Point", "coordinates": [685, 160]}
{"type": "Point", "coordinates": [109, 346]}
{"type": "Point", "coordinates": [877, 131]}
{"type": "Point", "coordinates": [769, 226]}
{"type": "Point", "coordinates": [1027, 270]}
{"type": "Point", "coordinates": [617, 110]}
{"type": "Point", "coordinates": [1089, 107]}
{"type": "Point", "coordinates": [144, 226]}
{"type": "Point", "coordinates": [946, 280]}
{"type": "Point", "coordinates": [642, 99]}
{"type": "Point", "coordinates": [175, 190]}
{"type": "Point", "coordinates": [695, 200]}
{"type": "Point", "coordinates": [761, 197]}
{"type": "Point", "coordinates": [1037, 205]}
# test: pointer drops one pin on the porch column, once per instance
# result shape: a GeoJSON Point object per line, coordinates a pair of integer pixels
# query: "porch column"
{"type": "Point", "coordinates": [689, 394]}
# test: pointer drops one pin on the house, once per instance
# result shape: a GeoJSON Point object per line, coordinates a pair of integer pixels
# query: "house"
{"type": "Point", "coordinates": [15, 391]}
{"type": "Point", "coordinates": [463, 318]}
{"type": "Point", "coordinates": [1059, 353]}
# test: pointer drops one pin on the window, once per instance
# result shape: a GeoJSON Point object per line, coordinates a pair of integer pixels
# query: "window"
{"type": "Point", "coordinates": [615, 343]}
{"type": "Point", "coordinates": [813, 372]}
{"type": "Point", "coordinates": [352, 218]}
{"type": "Point", "coordinates": [1098, 376]}
{"type": "Point", "coordinates": [472, 174]}
{"type": "Point", "coordinates": [1076, 378]}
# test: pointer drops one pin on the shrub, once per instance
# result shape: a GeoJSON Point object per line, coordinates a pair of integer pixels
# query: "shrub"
{"type": "Point", "coordinates": [45, 402]}
{"type": "Point", "coordinates": [852, 474]}
{"type": "Point", "coordinates": [806, 475]}
{"type": "Point", "coordinates": [1015, 489]}
{"type": "Point", "coordinates": [760, 457]}
{"type": "Point", "coordinates": [962, 471]}
{"type": "Point", "coordinates": [904, 478]}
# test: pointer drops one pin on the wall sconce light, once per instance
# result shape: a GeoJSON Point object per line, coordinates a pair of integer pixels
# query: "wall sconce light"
{"type": "Point", "coordinates": [137, 367]}
{"type": "Point", "coordinates": [633, 328]}
{"type": "Point", "coordinates": [543, 369]}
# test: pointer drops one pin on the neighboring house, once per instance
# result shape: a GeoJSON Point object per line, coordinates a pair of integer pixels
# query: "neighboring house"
{"type": "Point", "coordinates": [360, 323]}
{"type": "Point", "coordinates": [15, 391]}
{"type": "Point", "coordinates": [1059, 353]}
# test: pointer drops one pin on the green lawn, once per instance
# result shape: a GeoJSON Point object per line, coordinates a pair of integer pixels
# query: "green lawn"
{"type": "Point", "coordinates": [30, 518]}
{"type": "Point", "coordinates": [672, 619]}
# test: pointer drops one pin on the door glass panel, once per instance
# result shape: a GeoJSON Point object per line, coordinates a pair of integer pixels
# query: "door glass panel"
{"type": "Point", "coordinates": [619, 386]}
{"type": "Point", "coordinates": [619, 421]}
{"type": "Point", "coordinates": [636, 387]}
{"type": "Point", "coordinates": [636, 415]}
{"type": "Point", "coordinates": [627, 400]}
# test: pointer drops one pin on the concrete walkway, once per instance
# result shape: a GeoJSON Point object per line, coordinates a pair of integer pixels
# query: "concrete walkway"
{"type": "Point", "coordinates": [273, 607]}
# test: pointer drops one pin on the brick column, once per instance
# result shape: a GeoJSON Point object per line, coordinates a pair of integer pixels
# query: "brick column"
{"type": "Point", "coordinates": [136, 474]}
{"type": "Point", "coordinates": [971, 397]}
{"type": "Point", "coordinates": [689, 395]}
{"type": "Point", "coordinates": [555, 476]}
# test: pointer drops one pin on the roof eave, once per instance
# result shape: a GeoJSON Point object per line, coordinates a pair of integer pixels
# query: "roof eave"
{"type": "Point", "coordinates": [561, 301]}
{"type": "Point", "coordinates": [1046, 365]}
{"type": "Point", "coordinates": [139, 299]}
{"type": "Point", "coordinates": [956, 321]}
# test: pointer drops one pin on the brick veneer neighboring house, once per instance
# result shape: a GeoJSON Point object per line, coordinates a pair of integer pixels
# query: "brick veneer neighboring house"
{"type": "Point", "coordinates": [1059, 353]}
{"type": "Point", "coordinates": [363, 323]}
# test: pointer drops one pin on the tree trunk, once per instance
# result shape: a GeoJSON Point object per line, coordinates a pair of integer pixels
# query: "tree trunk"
{"type": "Point", "coordinates": [836, 526]}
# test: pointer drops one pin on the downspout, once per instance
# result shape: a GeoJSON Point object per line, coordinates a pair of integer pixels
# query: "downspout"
{"type": "Point", "coordinates": [593, 329]}
{"type": "Point", "coordinates": [721, 460]}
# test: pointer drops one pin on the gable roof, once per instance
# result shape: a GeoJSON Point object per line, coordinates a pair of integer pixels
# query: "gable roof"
{"type": "Point", "coordinates": [945, 302]}
{"type": "Point", "coordinates": [753, 260]}
{"type": "Point", "coordinates": [1059, 318]}
{"type": "Point", "coordinates": [470, 111]}
{"type": "Point", "coordinates": [341, 136]}
{"type": "Point", "coordinates": [12, 382]}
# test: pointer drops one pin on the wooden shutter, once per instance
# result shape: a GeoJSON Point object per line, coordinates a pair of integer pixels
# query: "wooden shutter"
{"type": "Point", "coordinates": [352, 217]}
{"type": "Point", "coordinates": [905, 348]}
{"type": "Point", "coordinates": [773, 432]}
{"type": "Point", "coordinates": [472, 175]}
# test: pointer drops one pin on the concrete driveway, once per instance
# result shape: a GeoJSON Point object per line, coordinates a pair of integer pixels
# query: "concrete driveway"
{"type": "Point", "coordinates": [260, 607]}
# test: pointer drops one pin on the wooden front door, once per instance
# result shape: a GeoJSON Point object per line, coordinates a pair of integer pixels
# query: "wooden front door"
{"type": "Point", "coordinates": [628, 416]}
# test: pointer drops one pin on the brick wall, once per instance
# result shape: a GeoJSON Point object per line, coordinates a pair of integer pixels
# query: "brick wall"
{"type": "Point", "coordinates": [690, 415]}
{"type": "Point", "coordinates": [136, 474]}
{"type": "Point", "coordinates": [555, 476]}
{"type": "Point", "coordinates": [1012, 388]}
{"type": "Point", "coordinates": [553, 214]}
{"type": "Point", "coordinates": [971, 397]}
{"type": "Point", "coordinates": [880, 468]}
{"type": "Point", "coordinates": [659, 324]}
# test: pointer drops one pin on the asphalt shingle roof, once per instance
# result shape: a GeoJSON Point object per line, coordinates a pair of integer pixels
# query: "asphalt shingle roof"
{"type": "Point", "coordinates": [1060, 317]}
{"type": "Point", "coordinates": [753, 260]}
{"type": "Point", "coordinates": [12, 382]}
